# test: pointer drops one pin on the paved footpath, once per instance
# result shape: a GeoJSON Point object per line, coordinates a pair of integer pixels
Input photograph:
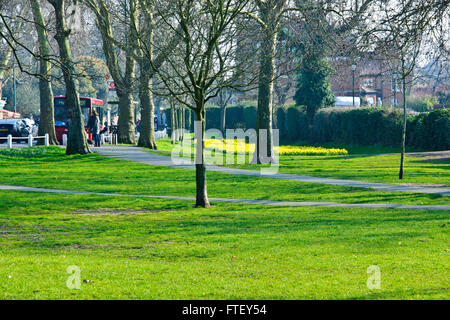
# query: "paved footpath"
{"type": "Point", "coordinates": [140, 155]}
{"type": "Point", "coordinates": [243, 201]}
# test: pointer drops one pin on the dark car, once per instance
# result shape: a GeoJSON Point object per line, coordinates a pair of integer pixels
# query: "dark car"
{"type": "Point", "coordinates": [15, 127]}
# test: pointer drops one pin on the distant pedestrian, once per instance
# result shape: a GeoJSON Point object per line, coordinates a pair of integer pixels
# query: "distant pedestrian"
{"type": "Point", "coordinates": [94, 128]}
{"type": "Point", "coordinates": [105, 128]}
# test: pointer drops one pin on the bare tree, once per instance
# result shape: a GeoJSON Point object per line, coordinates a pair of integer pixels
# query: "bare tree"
{"type": "Point", "coordinates": [202, 64]}
{"type": "Point", "coordinates": [151, 58]}
{"type": "Point", "coordinates": [76, 141]}
{"type": "Point", "coordinates": [223, 98]}
{"type": "Point", "coordinates": [123, 79]}
{"type": "Point", "coordinates": [47, 117]}
{"type": "Point", "coordinates": [405, 34]}
{"type": "Point", "coordinates": [9, 12]}
{"type": "Point", "coordinates": [270, 14]}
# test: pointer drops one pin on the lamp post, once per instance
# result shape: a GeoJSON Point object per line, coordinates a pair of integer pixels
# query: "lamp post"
{"type": "Point", "coordinates": [353, 82]}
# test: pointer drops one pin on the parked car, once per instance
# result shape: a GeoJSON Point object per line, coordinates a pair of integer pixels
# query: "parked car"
{"type": "Point", "coordinates": [15, 127]}
{"type": "Point", "coordinates": [32, 125]}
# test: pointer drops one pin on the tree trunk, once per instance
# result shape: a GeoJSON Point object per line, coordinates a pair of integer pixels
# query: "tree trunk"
{"type": "Point", "coordinates": [265, 93]}
{"type": "Point", "coordinates": [181, 123]}
{"type": "Point", "coordinates": [269, 13]}
{"type": "Point", "coordinates": [126, 125]}
{"type": "Point", "coordinates": [147, 137]}
{"type": "Point", "coordinates": [4, 60]}
{"type": "Point", "coordinates": [201, 198]}
{"type": "Point", "coordinates": [402, 156]}
{"type": "Point", "coordinates": [223, 116]}
{"type": "Point", "coordinates": [172, 124]}
{"type": "Point", "coordinates": [124, 83]}
{"type": "Point", "coordinates": [188, 120]}
{"type": "Point", "coordinates": [47, 116]}
{"type": "Point", "coordinates": [76, 140]}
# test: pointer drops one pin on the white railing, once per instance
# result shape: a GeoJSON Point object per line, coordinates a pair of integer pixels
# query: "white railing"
{"type": "Point", "coordinates": [158, 134]}
{"type": "Point", "coordinates": [105, 138]}
{"type": "Point", "coordinates": [112, 138]}
{"type": "Point", "coordinates": [30, 139]}
{"type": "Point", "coordinates": [108, 138]}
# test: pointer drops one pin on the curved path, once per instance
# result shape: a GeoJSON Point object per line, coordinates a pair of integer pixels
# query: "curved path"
{"type": "Point", "coordinates": [243, 201]}
{"type": "Point", "coordinates": [140, 155]}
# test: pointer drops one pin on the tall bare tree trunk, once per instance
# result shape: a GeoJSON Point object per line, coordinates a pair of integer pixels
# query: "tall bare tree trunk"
{"type": "Point", "coordinates": [173, 124]}
{"type": "Point", "coordinates": [265, 92]}
{"type": "Point", "coordinates": [224, 97]}
{"type": "Point", "coordinates": [126, 124]}
{"type": "Point", "coordinates": [402, 156]}
{"type": "Point", "coordinates": [76, 141]}
{"type": "Point", "coordinates": [4, 60]}
{"type": "Point", "coordinates": [269, 13]}
{"type": "Point", "coordinates": [147, 136]}
{"type": "Point", "coordinates": [201, 198]}
{"type": "Point", "coordinates": [47, 116]}
{"type": "Point", "coordinates": [124, 82]}
{"type": "Point", "coordinates": [181, 123]}
{"type": "Point", "coordinates": [223, 117]}
{"type": "Point", "coordinates": [6, 53]}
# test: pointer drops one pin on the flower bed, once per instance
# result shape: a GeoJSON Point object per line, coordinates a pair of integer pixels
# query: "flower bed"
{"type": "Point", "coordinates": [241, 147]}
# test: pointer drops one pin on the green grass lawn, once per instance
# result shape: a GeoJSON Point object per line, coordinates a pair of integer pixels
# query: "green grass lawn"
{"type": "Point", "coordinates": [51, 168]}
{"type": "Point", "coordinates": [362, 163]}
{"type": "Point", "coordinates": [169, 250]}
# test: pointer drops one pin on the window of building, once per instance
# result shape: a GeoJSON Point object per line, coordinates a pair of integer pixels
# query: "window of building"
{"type": "Point", "coordinates": [368, 82]}
{"type": "Point", "coordinates": [396, 84]}
{"type": "Point", "coordinates": [394, 101]}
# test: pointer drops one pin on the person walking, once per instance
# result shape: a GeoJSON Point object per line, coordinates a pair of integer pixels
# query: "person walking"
{"type": "Point", "coordinates": [94, 127]}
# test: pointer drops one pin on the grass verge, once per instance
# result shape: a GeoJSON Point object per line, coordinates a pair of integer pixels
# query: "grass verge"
{"type": "Point", "coordinates": [170, 250]}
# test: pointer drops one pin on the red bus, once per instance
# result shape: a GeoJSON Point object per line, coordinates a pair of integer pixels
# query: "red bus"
{"type": "Point", "coordinates": [88, 105]}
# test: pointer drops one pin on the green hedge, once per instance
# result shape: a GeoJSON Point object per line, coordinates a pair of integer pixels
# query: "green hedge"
{"type": "Point", "coordinates": [374, 126]}
{"type": "Point", "coordinates": [430, 131]}
{"type": "Point", "coordinates": [360, 126]}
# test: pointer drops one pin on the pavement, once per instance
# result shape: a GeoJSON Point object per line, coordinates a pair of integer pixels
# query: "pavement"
{"type": "Point", "coordinates": [242, 201]}
{"type": "Point", "coordinates": [140, 155]}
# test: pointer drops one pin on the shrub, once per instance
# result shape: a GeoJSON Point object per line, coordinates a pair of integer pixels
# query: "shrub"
{"type": "Point", "coordinates": [213, 117]}
{"type": "Point", "coordinates": [431, 131]}
{"type": "Point", "coordinates": [363, 126]}
{"type": "Point", "coordinates": [371, 126]}
{"type": "Point", "coordinates": [249, 113]}
{"type": "Point", "coordinates": [296, 124]}
{"type": "Point", "coordinates": [234, 115]}
{"type": "Point", "coordinates": [421, 103]}
{"type": "Point", "coordinates": [280, 116]}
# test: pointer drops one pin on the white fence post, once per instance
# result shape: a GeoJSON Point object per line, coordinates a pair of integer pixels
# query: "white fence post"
{"type": "Point", "coordinates": [9, 141]}
{"type": "Point", "coordinates": [46, 140]}
{"type": "Point", "coordinates": [30, 140]}
{"type": "Point", "coordinates": [64, 139]}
